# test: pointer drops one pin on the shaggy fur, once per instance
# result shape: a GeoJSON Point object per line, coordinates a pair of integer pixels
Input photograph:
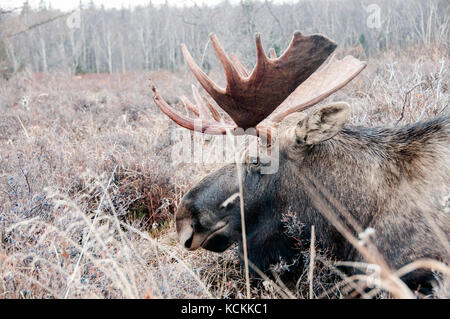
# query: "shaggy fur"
{"type": "Point", "coordinates": [394, 180]}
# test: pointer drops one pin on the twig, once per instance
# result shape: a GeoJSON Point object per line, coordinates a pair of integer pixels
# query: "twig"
{"type": "Point", "coordinates": [284, 293]}
{"type": "Point", "coordinates": [269, 8]}
{"type": "Point", "coordinates": [204, 52]}
{"type": "Point", "coordinates": [23, 126]}
{"type": "Point", "coordinates": [241, 202]}
{"type": "Point", "coordinates": [424, 264]}
{"type": "Point", "coordinates": [443, 109]}
{"type": "Point", "coordinates": [26, 179]}
{"type": "Point", "coordinates": [6, 11]}
{"type": "Point", "coordinates": [40, 23]}
{"type": "Point", "coordinates": [405, 100]}
{"type": "Point", "coordinates": [312, 256]}
{"type": "Point", "coordinates": [244, 236]}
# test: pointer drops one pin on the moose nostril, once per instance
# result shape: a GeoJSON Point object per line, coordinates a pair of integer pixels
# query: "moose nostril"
{"type": "Point", "coordinates": [188, 242]}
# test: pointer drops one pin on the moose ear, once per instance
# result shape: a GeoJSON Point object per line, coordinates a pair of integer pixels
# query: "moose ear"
{"type": "Point", "coordinates": [322, 124]}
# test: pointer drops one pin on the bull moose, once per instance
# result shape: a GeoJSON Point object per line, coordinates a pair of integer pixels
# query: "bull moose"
{"type": "Point", "coordinates": [393, 180]}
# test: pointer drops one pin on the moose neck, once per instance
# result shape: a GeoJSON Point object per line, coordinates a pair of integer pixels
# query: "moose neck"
{"type": "Point", "coordinates": [364, 171]}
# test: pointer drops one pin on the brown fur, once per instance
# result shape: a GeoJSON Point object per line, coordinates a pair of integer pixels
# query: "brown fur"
{"type": "Point", "coordinates": [391, 179]}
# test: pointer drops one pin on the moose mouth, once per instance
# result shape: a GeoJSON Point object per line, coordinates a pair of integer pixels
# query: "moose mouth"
{"type": "Point", "coordinates": [217, 240]}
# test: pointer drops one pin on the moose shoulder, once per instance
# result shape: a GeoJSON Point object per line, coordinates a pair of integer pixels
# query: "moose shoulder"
{"type": "Point", "coordinates": [393, 180]}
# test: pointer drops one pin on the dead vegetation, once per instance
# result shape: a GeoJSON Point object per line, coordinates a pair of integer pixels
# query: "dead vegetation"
{"type": "Point", "coordinates": [89, 190]}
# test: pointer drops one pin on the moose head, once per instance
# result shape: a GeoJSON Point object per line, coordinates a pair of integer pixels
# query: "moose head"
{"type": "Point", "coordinates": [209, 214]}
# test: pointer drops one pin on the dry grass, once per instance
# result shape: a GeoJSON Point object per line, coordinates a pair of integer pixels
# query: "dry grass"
{"type": "Point", "coordinates": [63, 138]}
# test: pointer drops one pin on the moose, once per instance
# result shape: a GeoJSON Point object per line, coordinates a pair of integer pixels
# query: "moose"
{"type": "Point", "coordinates": [393, 180]}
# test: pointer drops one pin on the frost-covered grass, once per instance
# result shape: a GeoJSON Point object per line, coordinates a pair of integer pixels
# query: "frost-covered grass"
{"type": "Point", "coordinates": [85, 169]}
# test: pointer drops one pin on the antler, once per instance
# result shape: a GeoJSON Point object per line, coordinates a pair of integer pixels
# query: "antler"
{"type": "Point", "coordinates": [274, 83]}
{"type": "Point", "coordinates": [324, 82]}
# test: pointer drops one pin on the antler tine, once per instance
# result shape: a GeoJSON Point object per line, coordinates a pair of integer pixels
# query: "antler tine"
{"type": "Point", "coordinates": [261, 60]}
{"type": "Point", "coordinates": [238, 65]}
{"type": "Point", "coordinates": [178, 118]}
{"type": "Point", "coordinates": [331, 78]}
{"type": "Point", "coordinates": [202, 109]}
{"type": "Point", "coordinates": [295, 39]}
{"type": "Point", "coordinates": [189, 105]}
{"type": "Point", "coordinates": [209, 85]}
{"type": "Point", "coordinates": [260, 53]}
{"type": "Point", "coordinates": [231, 73]}
{"type": "Point", "coordinates": [203, 126]}
{"type": "Point", "coordinates": [205, 109]}
{"type": "Point", "coordinates": [272, 53]}
{"type": "Point", "coordinates": [214, 112]}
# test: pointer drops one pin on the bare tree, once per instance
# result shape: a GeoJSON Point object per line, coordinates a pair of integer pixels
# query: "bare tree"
{"type": "Point", "coordinates": [148, 37]}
